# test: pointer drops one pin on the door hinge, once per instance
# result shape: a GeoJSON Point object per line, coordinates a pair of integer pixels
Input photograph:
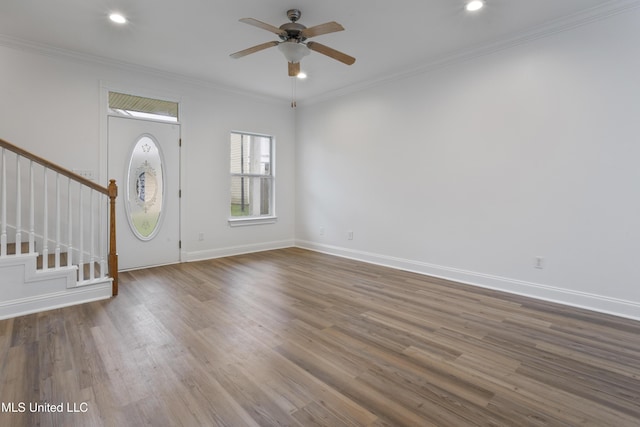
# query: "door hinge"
{"type": "Point", "coordinates": [180, 142]}
{"type": "Point", "coordinates": [179, 244]}
{"type": "Point", "coordinates": [179, 194]}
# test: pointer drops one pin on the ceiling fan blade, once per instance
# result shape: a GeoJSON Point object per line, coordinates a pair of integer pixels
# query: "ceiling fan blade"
{"type": "Point", "coordinates": [331, 53]}
{"type": "Point", "coordinates": [264, 26]}
{"type": "Point", "coordinates": [253, 49]}
{"type": "Point", "coordinates": [318, 30]}
{"type": "Point", "coordinates": [294, 69]}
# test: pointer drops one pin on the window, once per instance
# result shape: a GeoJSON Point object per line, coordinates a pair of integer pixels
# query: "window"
{"type": "Point", "coordinates": [145, 108]}
{"type": "Point", "coordinates": [252, 183]}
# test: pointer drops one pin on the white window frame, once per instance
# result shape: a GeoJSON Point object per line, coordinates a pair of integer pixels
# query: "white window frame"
{"type": "Point", "coordinates": [237, 221]}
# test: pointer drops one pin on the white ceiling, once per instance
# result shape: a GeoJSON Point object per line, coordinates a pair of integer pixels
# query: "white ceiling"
{"type": "Point", "coordinates": [193, 38]}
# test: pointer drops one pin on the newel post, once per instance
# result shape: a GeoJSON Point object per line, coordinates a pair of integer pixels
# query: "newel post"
{"type": "Point", "coordinates": [113, 254]}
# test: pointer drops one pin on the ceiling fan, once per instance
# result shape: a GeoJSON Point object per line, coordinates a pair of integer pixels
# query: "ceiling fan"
{"type": "Point", "coordinates": [293, 41]}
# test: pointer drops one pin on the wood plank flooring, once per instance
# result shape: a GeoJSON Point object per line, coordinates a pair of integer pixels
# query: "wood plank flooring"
{"type": "Point", "coordinates": [297, 338]}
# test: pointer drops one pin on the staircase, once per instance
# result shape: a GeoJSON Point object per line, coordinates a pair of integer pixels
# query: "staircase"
{"type": "Point", "coordinates": [57, 235]}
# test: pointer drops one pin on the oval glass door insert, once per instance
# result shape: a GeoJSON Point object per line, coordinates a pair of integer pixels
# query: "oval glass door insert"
{"type": "Point", "coordinates": [145, 188]}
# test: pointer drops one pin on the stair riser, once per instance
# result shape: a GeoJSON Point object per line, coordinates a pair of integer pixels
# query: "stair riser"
{"type": "Point", "coordinates": [11, 248]}
{"type": "Point", "coordinates": [51, 260]}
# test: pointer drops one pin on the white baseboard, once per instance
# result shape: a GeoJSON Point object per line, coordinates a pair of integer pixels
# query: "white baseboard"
{"type": "Point", "coordinates": [599, 303]}
{"type": "Point", "coordinates": [237, 250]}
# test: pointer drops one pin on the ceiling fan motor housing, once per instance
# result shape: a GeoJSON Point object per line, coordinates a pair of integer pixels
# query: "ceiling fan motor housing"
{"type": "Point", "coordinates": [293, 31]}
{"type": "Point", "coordinates": [292, 28]}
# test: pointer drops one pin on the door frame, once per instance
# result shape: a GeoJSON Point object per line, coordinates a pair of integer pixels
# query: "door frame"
{"type": "Point", "coordinates": [105, 88]}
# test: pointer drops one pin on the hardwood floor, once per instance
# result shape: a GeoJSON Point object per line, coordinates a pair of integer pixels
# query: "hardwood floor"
{"type": "Point", "coordinates": [293, 337]}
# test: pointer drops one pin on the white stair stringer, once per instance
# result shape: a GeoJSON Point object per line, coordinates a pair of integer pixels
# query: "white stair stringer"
{"type": "Point", "coordinates": [26, 290]}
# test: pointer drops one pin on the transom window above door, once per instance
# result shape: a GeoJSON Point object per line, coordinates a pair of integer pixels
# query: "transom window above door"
{"type": "Point", "coordinates": [122, 104]}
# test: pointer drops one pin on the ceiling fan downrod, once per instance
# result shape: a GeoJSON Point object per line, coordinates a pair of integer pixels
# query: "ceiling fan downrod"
{"type": "Point", "coordinates": [294, 14]}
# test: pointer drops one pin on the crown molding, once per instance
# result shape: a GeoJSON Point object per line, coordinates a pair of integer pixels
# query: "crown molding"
{"type": "Point", "coordinates": [567, 23]}
{"type": "Point", "coordinates": [56, 52]}
{"type": "Point", "coordinates": [594, 14]}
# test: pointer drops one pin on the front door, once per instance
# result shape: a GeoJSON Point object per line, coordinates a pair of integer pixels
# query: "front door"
{"type": "Point", "coordinates": [144, 158]}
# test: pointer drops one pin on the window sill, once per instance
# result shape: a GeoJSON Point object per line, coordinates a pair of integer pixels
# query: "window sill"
{"type": "Point", "coordinates": [242, 222]}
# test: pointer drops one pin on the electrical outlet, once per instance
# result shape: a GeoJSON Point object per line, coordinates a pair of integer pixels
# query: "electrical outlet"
{"type": "Point", "coordinates": [322, 231]}
{"type": "Point", "coordinates": [538, 262]}
{"type": "Point", "coordinates": [349, 235]}
{"type": "Point", "coordinates": [200, 237]}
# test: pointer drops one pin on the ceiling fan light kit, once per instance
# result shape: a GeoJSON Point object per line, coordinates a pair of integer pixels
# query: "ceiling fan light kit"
{"type": "Point", "coordinates": [293, 44]}
{"type": "Point", "coordinates": [293, 51]}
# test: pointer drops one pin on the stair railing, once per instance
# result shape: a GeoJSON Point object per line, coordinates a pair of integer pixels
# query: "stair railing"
{"type": "Point", "coordinates": [74, 234]}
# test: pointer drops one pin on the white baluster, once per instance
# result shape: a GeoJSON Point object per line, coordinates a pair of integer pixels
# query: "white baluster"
{"type": "Point", "coordinates": [103, 236]}
{"type": "Point", "coordinates": [3, 214]}
{"type": "Point", "coordinates": [18, 207]}
{"type": "Point", "coordinates": [92, 266]}
{"type": "Point", "coordinates": [81, 240]}
{"type": "Point", "coordinates": [70, 225]}
{"type": "Point", "coordinates": [45, 212]}
{"type": "Point", "coordinates": [57, 252]}
{"type": "Point", "coordinates": [32, 215]}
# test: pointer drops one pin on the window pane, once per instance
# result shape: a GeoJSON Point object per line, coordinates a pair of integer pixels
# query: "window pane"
{"type": "Point", "coordinates": [250, 196]}
{"type": "Point", "coordinates": [238, 156]}
{"type": "Point", "coordinates": [138, 106]}
{"type": "Point", "coordinates": [262, 160]}
{"type": "Point", "coordinates": [250, 154]}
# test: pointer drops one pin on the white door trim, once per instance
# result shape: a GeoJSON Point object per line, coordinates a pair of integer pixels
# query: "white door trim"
{"type": "Point", "coordinates": [102, 176]}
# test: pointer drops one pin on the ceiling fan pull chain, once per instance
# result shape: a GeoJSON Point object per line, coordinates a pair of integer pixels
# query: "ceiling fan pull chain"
{"type": "Point", "coordinates": [293, 93]}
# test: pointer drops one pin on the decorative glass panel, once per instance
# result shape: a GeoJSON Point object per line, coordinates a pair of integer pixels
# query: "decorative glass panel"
{"type": "Point", "coordinates": [145, 188]}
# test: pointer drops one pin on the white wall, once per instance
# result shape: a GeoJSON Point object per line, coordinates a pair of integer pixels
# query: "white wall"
{"type": "Point", "coordinates": [473, 170]}
{"type": "Point", "coordinates": [50, 105]}
{"type": "Point", "coordinates": [466, 172]}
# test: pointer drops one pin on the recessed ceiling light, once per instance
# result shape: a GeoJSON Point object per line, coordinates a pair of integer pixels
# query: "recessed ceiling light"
{"type": "Point", "coordinates": [474, 5]}
{"type": "Point", "coordinates": [118, 18]}
{"type": "Point", "coordinates": [302, 75]}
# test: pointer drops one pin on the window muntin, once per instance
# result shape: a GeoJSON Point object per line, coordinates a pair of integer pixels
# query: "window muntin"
{"type": "Point", "coordinates": [252, 179]}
